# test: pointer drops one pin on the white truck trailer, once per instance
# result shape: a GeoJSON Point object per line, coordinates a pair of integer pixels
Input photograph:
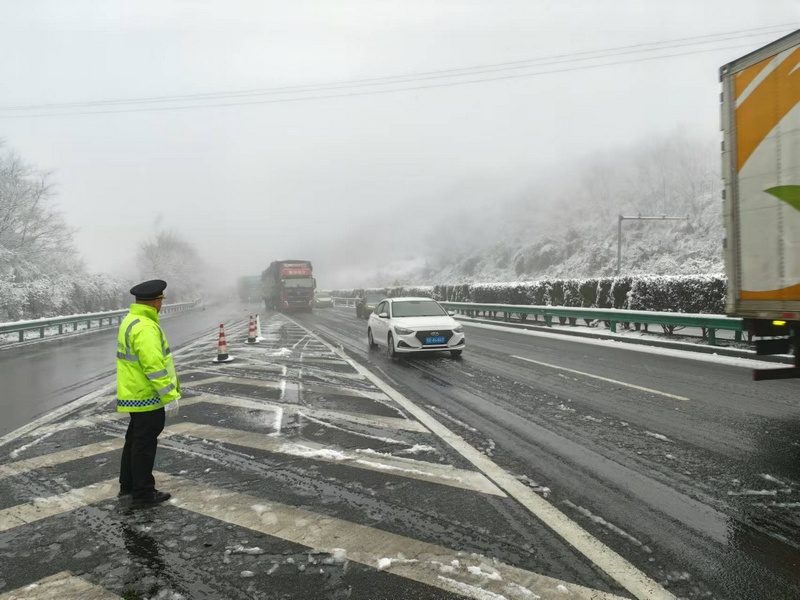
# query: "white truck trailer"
{"type": "Point", "coordinates": [761, 197]}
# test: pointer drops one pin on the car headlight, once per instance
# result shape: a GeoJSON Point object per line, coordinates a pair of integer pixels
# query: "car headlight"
{"type": "Point", "coordinates": [402, 331]}
{"type": "Point", "coordinates": [458, 329]}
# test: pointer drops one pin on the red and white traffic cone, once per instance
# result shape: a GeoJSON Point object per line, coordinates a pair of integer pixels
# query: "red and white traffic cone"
{"type": "Point", "coordinates": [222, 348]}
{"type": "Point", "coordinates": [252, 338]}
{"type": "Point", "coordinates": [258, 329]}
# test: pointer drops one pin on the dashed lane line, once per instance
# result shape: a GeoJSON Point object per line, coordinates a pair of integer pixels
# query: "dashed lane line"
{"type": "Point", "coordinates": [60, 586]}
{"type": "Point", "coordinates": [622, 571]}
{"type": "Point", "coordinates": [468, 574]}
{"type": "Point", "coordinates": [606, 379]}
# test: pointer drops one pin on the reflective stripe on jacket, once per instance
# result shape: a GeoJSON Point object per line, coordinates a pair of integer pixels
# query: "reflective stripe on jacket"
{"type": "Point", "coordinates": [146, 378]}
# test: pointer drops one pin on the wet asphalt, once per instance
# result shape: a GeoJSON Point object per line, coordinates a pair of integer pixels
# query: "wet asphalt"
{"type": "Point", "coordinates": [698, 487]}
{"type": "Point", "coordinates": [701, 494]}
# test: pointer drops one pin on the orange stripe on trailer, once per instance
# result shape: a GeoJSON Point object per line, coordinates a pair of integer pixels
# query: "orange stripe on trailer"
{"type": "Point", "coordinates": [744, 78]}
{"type": "Point", "coordinates": [764, 108]}
{"type": "Point", "coordinates": [788, 293]}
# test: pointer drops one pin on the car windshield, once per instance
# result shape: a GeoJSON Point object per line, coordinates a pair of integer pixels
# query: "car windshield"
{"type": "Point", "coordinates": [417, 308]}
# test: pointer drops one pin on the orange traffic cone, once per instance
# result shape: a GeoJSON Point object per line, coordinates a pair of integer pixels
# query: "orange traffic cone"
{"type": "Point", "coordinates": [252, 338]}
{"type": "Point", "coordinates": [222, 348]}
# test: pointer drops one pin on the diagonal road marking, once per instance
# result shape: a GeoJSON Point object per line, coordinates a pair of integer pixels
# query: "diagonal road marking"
{"type": "Point", "coordinates": [616, 566]}
{"type": "Point", "coordinates": [57, 458]}
{"type": "Point", "coordinates": [51, 506]}
{"type": "Point", "coordinates": [60, 587]}
{"type": "Point", "coordinates": [359, 418]}
{"type": "Point", "coordinates": [401, 467]}
{"type": "Point", "coordinates": [606, 379]}
{"type": "Point", "coordinates": [460, 572]}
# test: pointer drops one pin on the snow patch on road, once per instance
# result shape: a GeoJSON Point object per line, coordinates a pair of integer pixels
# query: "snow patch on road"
{"type": "Point", "coordinates": [471, 591]}
{"type": "Point", "coordinates": [658, 436]}
{"type": "Point", "coordinates": [610, 526]}
{"type": "Point", "coordinates": [16, 452]}
{"type": "Point", "coordinates": [418, 449]}
{"type": "Point", "coordinates": [771, 479]}
{"type": "Point", "coordinates": [753, 493]}
{"type": "Point", "coordinates": [441, 413]}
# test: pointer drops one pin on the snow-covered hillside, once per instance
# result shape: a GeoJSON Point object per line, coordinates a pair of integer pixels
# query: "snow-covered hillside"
{"type": "Point", "coordinates": [567, 226]}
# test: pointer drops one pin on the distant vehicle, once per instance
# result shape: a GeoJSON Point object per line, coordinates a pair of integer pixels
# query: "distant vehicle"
{"type": "Point", "coordinates": [249, 288]}
{"type": "Point", "coordinates": [761, 199]}
{"type": "Point", "coordinates": [323, 300]}
{"type": "Point", "coordinates": [405, 325]}
{"type": "Point", "coordinates": [366, 304]}
{"type": "Point", "coordinates": [288, 285]}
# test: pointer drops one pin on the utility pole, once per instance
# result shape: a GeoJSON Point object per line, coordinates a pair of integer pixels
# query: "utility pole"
{"type": "Point", "coordinates": [637, 218]}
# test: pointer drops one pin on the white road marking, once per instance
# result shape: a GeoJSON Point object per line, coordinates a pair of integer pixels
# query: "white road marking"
{"type": "Point", "coordinates": [343, 391]}
{"type": "Point", "coordinates": [276, 385]}
{"type": "Point", "coordinates": [399, 466]}
{"type": "Point", "coordinates": [419, 561]}
{"type": "Point", "coordinates": [57, 458]}
{"type": "Point", "coordinates": [319, 413]}
{"type": "Point", "coordinates": [622, 571]}
{"type": "Point", "coordinates": [60, 586]}
{"type": "Point", "coordinates": [43, 508]}
{"type": "Point", "coordinates": [606, 379]}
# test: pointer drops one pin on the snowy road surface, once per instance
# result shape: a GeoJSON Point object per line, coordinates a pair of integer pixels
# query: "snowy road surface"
{"type": "Point", "coordinates": [313, 468]}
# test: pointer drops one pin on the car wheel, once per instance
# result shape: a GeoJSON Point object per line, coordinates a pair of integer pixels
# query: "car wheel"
{"type": "Point", "coordinates": [390, 344]}
{"type": "Point", "coordinates": [371, 340]}
{"type": "Point", "coordinates": [456, 353]}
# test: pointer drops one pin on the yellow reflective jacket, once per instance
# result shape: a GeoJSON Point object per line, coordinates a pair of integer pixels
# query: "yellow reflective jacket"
{"type": "Point", "coordinates": [146, 378]}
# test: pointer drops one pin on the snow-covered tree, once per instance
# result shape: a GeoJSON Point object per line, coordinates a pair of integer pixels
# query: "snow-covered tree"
{"type": "Point", "coordinates": [40, 273]}
{"type": "Point", "coordinates": [166, 255]}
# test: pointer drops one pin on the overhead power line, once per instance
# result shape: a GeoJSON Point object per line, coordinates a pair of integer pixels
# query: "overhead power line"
{"type": "Point", "coordinates": [458, 76]}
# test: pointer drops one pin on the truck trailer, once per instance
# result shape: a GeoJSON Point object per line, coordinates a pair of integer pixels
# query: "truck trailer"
{"type": "Point", "coordinates": [288, 285]}
{"type": "Point", "coordinates": [761, 196]}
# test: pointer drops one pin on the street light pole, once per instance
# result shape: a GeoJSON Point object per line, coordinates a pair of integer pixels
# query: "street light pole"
{"type": "Point", "coordinates": [637, 218]}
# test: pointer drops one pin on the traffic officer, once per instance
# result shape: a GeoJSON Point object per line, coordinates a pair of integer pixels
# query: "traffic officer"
{"type": "Point", "coordinates": [146, 384]}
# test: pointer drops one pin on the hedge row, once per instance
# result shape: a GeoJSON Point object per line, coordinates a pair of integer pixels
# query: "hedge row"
{"type": "Point", "coordinates": [678, 293]}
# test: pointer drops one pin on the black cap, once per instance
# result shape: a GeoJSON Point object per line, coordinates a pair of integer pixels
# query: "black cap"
{"type": "Point", "coordinates": [149, 290]}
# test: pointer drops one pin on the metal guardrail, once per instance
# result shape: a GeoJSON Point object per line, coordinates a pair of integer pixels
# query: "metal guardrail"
{"type": "Point", "coordinates": [103, 319]}
{"type": "Point", "coordinates": [338, 301]}
{"type": "Point", "coordinates": [708, 323]}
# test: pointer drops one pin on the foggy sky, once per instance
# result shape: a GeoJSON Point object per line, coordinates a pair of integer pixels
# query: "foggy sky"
{"type": "Point", "coordinates": [351, 183]}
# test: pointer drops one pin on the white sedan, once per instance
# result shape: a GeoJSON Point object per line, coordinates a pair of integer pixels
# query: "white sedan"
{"type": "Point", "coordinates": [407, 325]}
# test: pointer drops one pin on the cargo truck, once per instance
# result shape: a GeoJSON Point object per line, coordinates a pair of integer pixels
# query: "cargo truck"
{"type": "Point", "coordinates": [288, 285]}
{"type": "Point", "coordinates": [761, 196]}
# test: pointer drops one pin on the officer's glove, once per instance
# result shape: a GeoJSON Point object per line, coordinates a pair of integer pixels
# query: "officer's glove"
{"type": "Point", "coordinates": [171, 408]}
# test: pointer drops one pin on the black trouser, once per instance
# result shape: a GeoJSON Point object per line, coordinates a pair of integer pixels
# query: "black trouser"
{"type": "Point", "coordinates": [139, 453]}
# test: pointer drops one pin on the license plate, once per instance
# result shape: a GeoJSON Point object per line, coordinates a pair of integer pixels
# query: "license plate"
{"type": "Point", "coordinates": [439, 339]}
